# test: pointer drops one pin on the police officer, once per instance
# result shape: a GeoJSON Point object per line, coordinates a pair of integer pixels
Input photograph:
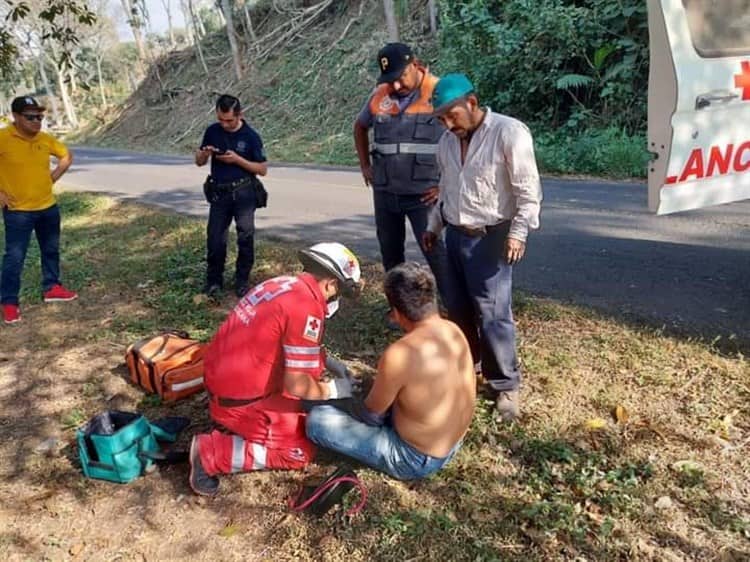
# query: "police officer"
{"type": "Point", "coordinates": [237, 157]}
{"type": "Point", "coordinates": [401, 166]}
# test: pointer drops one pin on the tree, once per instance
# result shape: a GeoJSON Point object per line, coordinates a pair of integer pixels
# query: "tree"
{"type": "Point", "coordinates": [198, 31]}
{"type": "Point", "coordinates": [571, 64]}
{"type": "Point", "coordinates": [58, 17]}
{"type": "Point", "coordinates": [227, 9]}
{"type": "Point", "coordinates": [100, 40]}
{"type": "Point", "coordinates": [48, 90]}
{"type": "Point", "coordinates": [247, 5]}
{"type": "Point", "coordinates": [70, 110]}
{"type": "Point", "coordinates": [390, 20]}
{"type": "Point", "coordinates": [186, 16]}
{"type": "Point", "coordinates": [136, 15]}
{"type": "Point", "coordinates": [432, 10]}
{"type": "Point", "coordinates": [167, 4]}
{"type": "Point", "coordinates": [42, 40]}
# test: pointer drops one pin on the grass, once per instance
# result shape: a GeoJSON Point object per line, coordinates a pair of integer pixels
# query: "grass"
{"type": "Point", "coordinates": [555, 486]}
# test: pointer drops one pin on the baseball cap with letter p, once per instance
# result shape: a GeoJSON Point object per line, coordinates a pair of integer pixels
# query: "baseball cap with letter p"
{"type": "Point", "coordinates": [392, 60]}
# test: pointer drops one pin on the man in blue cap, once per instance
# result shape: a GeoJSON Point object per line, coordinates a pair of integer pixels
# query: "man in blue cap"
{"type": "Point", "coordinates": [400, 164]}
{"type": "Point", "coordinates": [490, 197]}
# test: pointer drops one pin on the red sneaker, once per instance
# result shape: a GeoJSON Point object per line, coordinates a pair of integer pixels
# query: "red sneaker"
{"type": "Point", "coordinates": [11, 313]}
{"type": "Point", "coordinates": [59, 293]}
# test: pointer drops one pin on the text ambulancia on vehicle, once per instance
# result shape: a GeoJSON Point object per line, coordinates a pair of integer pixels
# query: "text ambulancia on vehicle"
{"type": "Point", "coordinates": [698, 103]}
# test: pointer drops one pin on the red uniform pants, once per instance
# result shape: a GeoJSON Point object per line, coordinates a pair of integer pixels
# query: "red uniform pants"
{"type": "Point", "coordinates": [268, 434]}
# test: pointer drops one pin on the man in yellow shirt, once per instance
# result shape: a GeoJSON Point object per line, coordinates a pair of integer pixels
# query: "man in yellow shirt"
{"type": "Point", "coordinates": [28, 203]}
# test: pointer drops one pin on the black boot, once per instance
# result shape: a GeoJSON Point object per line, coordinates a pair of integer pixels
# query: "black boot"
{"type": "Point", "coordinates": [201, 482]}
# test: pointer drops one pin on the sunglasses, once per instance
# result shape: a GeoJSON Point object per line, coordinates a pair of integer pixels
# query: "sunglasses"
{"type": "Point", "coordinates": [33, 117]}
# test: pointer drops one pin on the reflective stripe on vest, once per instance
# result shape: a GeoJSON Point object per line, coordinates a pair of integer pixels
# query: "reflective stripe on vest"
{"type": "Point", "coordinates": [405, 142]}
{"type": "Point", "coordinates": [404, 148]}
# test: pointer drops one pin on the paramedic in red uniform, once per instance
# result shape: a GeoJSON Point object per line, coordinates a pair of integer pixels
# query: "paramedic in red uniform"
{"type": "Point", "coordinates": [266, 356]}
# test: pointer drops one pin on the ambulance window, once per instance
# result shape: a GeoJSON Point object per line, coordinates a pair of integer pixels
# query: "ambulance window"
{"type": "Point", "coordinates": [719, 28]}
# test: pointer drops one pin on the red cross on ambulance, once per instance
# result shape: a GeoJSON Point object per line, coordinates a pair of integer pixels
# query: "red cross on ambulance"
{"type": "Point", "coordinates": [718, 159]}
{"type": "Point", "coordinates": [698, 110]}
{"type": "Point", "coordinates": [742, 80]}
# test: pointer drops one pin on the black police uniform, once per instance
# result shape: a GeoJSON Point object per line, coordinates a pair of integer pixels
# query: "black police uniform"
{"type": "Point", "coordinates": [232, 197]}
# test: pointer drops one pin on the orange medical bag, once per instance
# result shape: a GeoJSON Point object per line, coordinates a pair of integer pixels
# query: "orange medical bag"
{"type": "Point", "coordinates": [169, 364]}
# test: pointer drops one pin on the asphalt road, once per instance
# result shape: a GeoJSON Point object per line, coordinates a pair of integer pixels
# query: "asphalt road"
{"type": "Point", "coordinates": [598, 244]}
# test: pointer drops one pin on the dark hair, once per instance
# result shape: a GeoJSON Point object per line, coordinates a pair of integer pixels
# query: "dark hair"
{"type": "Point", "coordinates": [411, 289]}
{"type": "Point", "coordinates": [228, 103]}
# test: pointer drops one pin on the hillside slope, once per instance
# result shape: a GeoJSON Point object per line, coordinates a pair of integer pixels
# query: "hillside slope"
{"type": "Point", "coordinates": [302, 98]}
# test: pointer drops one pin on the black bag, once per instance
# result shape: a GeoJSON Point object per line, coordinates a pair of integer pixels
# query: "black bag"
{"type": "Point", "coordinates": [210, 191]}
{"type": "Point", "coordinates": [318, 498]}
{"type": "Point", "coordinates": [261, 195]}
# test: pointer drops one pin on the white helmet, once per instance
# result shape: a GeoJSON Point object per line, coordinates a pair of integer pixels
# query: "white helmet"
{"type": "Point", "coordinates": [338, 260]}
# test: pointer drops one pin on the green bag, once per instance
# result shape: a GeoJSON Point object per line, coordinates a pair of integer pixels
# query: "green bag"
{"type": "Point", "coordinates": [121, 446]}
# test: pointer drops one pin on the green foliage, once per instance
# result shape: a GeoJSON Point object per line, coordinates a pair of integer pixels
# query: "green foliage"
{"type": "Point", "coordinates": [570, 81]}
{"type": "Point", "coordinates": [210, 18]}
{"type": "Point", "coordinates": [564, 69]}
{"type": "Point", "coordinates": [551, 61]}
{"type": "Point", "coordinates": [564, 478]}
{"type": "Point", "coordinates": [58, 18]}
{"type": "Point", "coordinates": [610, 152]}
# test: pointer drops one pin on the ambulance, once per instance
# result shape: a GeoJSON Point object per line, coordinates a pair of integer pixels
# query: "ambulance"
{"type": "Point", "coordinates": [698, 103]}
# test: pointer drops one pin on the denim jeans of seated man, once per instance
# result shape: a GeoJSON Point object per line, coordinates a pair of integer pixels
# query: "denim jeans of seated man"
{"type": "Point", "coordinates": [378, 447]}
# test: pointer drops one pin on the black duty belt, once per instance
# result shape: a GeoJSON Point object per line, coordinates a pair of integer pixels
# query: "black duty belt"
{"type": "Point", "coordinates": [478, 231]}
{"type": "Point", "coordinates": [228, 187]}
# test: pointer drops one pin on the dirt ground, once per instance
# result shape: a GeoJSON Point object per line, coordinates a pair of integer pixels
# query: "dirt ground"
{"type": "Point", "coordinates": [49, 511]}
{"type": "Point", "coordinates": [50, 375]}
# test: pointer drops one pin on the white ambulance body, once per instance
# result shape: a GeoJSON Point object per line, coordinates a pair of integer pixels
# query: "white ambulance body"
{"type": "Point", "coordinates": [698, 103]}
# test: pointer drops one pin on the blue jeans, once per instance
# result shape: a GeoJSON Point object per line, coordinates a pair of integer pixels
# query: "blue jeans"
{"type": "Point", "coordinates": [18, 228]}
{"type": "Point", "coordinates": [479, 301]}
{"type": "Point", "coordinates": [391, 212]}
{"type": "Point", "coordinates": [378, 447]}
{"type": "Point", "coordinates": [240, 206]}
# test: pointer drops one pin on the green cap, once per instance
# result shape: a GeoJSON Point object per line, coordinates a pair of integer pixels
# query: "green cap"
{"type": "Point", "coordinates": [449, 89]}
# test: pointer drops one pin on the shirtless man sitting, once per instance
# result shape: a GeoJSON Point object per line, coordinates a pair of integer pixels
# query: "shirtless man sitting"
{"type": "Point", "coordinates": [421, 403]}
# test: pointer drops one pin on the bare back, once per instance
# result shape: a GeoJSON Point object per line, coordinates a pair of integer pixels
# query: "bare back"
{"type": "Point", "coordinates": [433, 409]}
